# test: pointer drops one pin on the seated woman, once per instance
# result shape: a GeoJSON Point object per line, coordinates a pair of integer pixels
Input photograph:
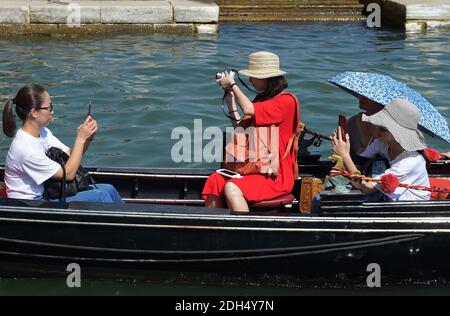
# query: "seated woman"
{"type": "Point", "coordinates": [361, 133]}
{"type": "Point", "coordinates": [397, 139]}
{"type": "Point", "coordinates": [27, 167]}
{"type": "Point", "coordinates": [270, 107]}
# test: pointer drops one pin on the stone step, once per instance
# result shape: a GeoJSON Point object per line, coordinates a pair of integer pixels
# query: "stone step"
{"type": "Point", "coordinates": [289, 10]}
{"type": "Point", "coordinates": [297, 13]}
{"type": "Point", "coordinates": [311, 9]}
{"type": "Point", "coordinates": [287, 5]}
{"type": "Point", "coordinates": [293, 18]}
{"type": "Point", "coordinates": [286, 15]}
{"type": "Point", "coordinates": [224, 3]}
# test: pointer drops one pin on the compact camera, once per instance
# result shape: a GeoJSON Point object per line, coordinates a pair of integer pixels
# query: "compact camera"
{"type": "Point", "coordinates": [220, 75]}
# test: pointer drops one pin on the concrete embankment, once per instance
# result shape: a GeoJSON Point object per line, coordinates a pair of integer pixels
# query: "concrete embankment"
{"type": "Point", "coordinates": [63, 17]}
{"type": "Point", "coordinates": [75, 17]}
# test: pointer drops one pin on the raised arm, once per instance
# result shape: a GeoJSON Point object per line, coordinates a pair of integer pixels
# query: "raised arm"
{"type": "Point", "coordinates": [241, 99]}
{"type": "Point", "coordinates": [232, 109]}
{"type": "Point", "coordinates": [341, 147]}
{"type": "Point", "coordinates": [84, 133]}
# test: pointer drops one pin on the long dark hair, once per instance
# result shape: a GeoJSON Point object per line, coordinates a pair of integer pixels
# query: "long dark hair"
{"type": "Point", "coordinates": [29, 97]}
{"type": "Point", "coordinates": [275, 86]}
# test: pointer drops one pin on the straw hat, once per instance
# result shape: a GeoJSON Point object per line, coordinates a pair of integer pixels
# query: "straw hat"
{"type": "Point", "coordinates": [401, 118]}
{"type": "Point", "coordinates": [263, 65]}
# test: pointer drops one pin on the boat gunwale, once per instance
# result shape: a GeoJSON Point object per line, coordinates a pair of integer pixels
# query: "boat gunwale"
{"type": "Point", "coordinates": [228, 217]}
{"type": "Point", "coordinates": [239, 228]}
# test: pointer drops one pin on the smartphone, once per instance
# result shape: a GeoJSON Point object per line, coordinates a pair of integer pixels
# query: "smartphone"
{"type": "Point", "coordinates": [90, 108]}
{"type": "Point", "coordinates": [343, 125]}
{"type": "Point", "coordinates": [228, 173]}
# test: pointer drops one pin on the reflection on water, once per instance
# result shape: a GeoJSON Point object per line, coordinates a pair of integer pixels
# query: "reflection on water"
{"type": "Point", "coordinates": [144, 86]}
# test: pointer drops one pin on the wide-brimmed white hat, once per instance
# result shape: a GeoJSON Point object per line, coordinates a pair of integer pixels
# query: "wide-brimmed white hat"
{"type": "Point", "coordinates": [401, 118]}
{"type": "Point", "coordinates": [263, 65]}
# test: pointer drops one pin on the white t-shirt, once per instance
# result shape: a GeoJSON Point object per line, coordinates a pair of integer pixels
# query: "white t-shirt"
{"type": "Point", "coordinates": [409, 167]}
{"type": "Point", "coordinates": [27, 166]}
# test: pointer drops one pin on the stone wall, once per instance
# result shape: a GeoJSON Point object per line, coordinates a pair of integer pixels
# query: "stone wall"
{"type": "Point", "coordinates": [62, 17]}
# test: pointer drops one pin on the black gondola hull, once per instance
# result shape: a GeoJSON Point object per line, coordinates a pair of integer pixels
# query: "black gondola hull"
{"type": "Point", "coordinates": [170, 238]}
{"type": "Point", "coordinates": [409, 241]}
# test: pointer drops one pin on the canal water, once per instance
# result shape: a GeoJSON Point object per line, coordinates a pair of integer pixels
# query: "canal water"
{"type": "Point", "coordinates": [144, 86]}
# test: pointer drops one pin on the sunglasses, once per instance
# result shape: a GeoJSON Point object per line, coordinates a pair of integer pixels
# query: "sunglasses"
{"type": "Point", "coordinates": [48, 108]}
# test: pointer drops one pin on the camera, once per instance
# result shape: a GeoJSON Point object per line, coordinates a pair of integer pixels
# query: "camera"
{"type": "Point", "coordinates": [220, 75]}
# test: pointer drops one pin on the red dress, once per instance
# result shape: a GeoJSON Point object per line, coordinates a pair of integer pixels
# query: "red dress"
{"type": "Point", "coordinates": [259, 187]}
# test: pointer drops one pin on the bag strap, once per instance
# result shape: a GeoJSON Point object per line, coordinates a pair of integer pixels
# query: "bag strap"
{"type": "Point", "coordinates": [63, 185]}
{"type": "Point", "coordinates": [293, 140]}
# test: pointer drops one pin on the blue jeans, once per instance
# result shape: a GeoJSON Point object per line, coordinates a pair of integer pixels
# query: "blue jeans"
{"type": "Point", "coordinates": [315, 205]}
{"type": "Point", "coordinates": [104, 192]}
{"type": "Point", "coordinates": [377, 196]}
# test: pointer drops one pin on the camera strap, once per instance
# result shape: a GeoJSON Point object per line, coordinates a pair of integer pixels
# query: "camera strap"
{"type": "Point", "coordinates": [227, 91]}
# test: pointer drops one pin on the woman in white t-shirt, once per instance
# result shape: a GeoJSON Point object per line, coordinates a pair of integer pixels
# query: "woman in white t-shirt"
{"type": "Point", "coordinates": [397, 139]}
{"type": "Point", "coordinates": [27, 166]}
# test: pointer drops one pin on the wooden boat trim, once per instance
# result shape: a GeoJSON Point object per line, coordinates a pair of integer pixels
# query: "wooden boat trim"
{"type": "Point", "coordinates": [163, 201]}
{"type": "Point", "coordinates": [154, 176]}
{"type": "Point", "coordinates": [146, 175]}
{"type": "Point", "coordinates": [233, 228]}
{"type": "Point", "coordinates": [228, 217]}
{"type": "Point", "coordinates": [174, 201]}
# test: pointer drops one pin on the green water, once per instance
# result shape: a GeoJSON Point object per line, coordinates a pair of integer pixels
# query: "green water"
{"type": "Point", "coordinates": [144, 86]}
{"type": "Point", "coordinates": [31, 287]}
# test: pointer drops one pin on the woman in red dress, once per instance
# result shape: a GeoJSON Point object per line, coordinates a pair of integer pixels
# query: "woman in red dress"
{"type": "Point", "coordinates": [270, 107]}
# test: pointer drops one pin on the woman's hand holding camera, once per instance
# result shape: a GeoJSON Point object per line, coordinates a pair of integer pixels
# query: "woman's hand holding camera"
{"type": "Point", "coordinates": [226, 81]}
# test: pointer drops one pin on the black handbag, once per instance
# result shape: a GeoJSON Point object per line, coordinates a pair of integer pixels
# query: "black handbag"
{"type": "Point", "coordinates": [60, 189]}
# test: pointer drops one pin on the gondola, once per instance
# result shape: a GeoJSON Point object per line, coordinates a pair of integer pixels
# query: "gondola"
{"type": "Point", "coordinates": [164, 227]}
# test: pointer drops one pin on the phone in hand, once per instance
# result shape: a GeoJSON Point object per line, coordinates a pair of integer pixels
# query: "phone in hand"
{"type": "Point", "coordinates": [228, 173]}
{"type": "Point", "coordinates": [343, 125]}
{"type": "Point", "coordinates": [90, 108]}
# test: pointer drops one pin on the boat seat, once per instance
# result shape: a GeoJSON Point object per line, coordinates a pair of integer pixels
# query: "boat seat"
{"type": "Point", "coordinates": [3, 190]}
{"type": "Point", "coordinates": [276, 202]}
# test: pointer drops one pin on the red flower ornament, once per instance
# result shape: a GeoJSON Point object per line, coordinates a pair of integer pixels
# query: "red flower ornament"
{"type": "Point", "coordinates": [389, 183]}
{"type": "Point", "coordinates": [432, 154]}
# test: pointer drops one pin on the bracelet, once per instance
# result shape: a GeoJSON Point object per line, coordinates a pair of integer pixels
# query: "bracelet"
{"type": "Point", "coordinates": [232, 111]}
{"type": "Point", "coordinates": [234, 84]}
